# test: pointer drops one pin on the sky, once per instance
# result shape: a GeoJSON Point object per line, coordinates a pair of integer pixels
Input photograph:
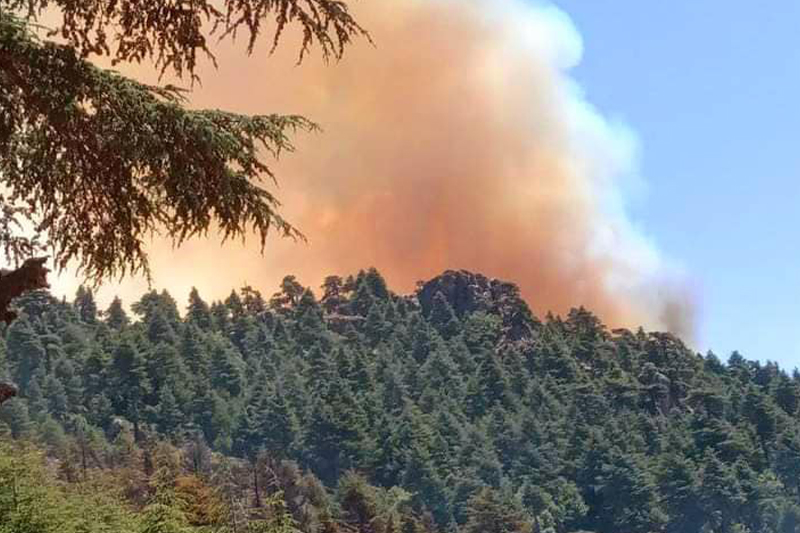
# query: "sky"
{"type": "Point", "coordinates": [711, 90]}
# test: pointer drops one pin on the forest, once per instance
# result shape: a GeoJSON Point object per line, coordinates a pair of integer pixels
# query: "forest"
{"type": "Point", "coordinates": [356, 409]}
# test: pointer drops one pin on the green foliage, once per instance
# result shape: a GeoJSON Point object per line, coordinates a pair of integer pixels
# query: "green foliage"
{"type": "Point", "coordinates": [32, 502]}
{"type": "Point", "coordinates": [493, 512]}
{"type": "Point", "coordinates": [365, 412]}
{"type": "Point", "coordinates": [67, 121]}
{"type": "Point", "coordinates": [165, 168]}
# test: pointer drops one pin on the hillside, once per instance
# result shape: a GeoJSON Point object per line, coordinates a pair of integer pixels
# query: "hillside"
{"type": "Point", "coordinates": [451, 409]}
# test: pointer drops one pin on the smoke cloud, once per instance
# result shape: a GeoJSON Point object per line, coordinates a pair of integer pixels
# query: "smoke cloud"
{"type": "Point", "coordinates": [458, 141]}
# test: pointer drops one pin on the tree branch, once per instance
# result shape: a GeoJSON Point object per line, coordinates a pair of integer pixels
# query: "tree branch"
{"type": "Point", "coordinates": [102, 162]}
{"type": "Point", "coordinates": [30, 276]}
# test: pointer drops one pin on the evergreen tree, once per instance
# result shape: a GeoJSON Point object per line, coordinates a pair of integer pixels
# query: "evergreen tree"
{"type": "Point", "coordinates": [226, 369]}
{"type": "Point", "coordinates": [333, 294]}
{"type": "Point", "coordinates": [252, 301]}
{"type": "Point", "coordinates": [168, 416]}
{"type": "Point", "coordinates": [638, 434]}
{"type": "Point", "coordinates": [442, 317]}
{"type": "Point", "coordinates": [197, 312]}
{"type": "Point", "coordinates": [376, 284]}
{"type": "Point", "coordinates": [128, 374]}
{"type": "Point", "coordinates": [277, 424]}
{"type": "Point", "coordinates": [362, 300]}
{"type": "Point", "coordinates": [194, 352]}
{"type": "Point", "coordinates": [493, 512]}
{"type": "Point", "coordinates": [25, 352]}
{"type": "Point", "coordinates": [85, 305]}
{"type": "Point", "coordinates": [288, 296]}
{"type": "Point", "coordinates": [720, 494]}
{"type": "Point", "coordinates": [115, 316]}
{"type": "Point", "coordinates": [220, 315]}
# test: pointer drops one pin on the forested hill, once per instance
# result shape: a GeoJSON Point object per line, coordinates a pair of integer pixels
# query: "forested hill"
{"type": "Point", "coordinates": [456, 405]}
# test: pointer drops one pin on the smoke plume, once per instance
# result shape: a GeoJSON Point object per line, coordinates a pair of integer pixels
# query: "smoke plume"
{"type": "Point", "coordinates": [458, 141]}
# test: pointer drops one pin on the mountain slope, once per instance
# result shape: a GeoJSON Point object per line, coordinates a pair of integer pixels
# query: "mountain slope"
{"type": "Point", "coordinates": [457, 394]}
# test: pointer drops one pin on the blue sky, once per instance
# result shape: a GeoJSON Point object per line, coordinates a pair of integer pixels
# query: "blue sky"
{"type": "Point", "coordinates": [712, 90]}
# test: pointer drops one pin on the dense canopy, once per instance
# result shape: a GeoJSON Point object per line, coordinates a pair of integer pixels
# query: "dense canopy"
{"type": "Point", "coordinates": [451, 409]}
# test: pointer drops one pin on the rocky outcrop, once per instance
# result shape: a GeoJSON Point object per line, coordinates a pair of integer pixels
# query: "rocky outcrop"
{"type": "Point", "coordinates": [467, 293]}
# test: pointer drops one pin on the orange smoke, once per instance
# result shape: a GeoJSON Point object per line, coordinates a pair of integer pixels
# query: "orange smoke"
{"type": "Point", "coordinates": [458, 141]}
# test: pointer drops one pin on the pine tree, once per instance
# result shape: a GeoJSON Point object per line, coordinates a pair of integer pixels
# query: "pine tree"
{"type": "Point", "coordinates": [115, 316]}
{"type": "Point", "coordinates": [220, 315]}
{"type": "Point", "coordinates": [333, 295]}
{"type": "Point", "coordinates": [628, 495]}
{"type": "Point", "coordinates": [73, 385]}
{"type": "Point", "coordinates": [56, 397]}
{"type": "Point", "coordinates": [160, 330]}
{"type": "Point", "coordinates": [25, 352]}
{"type": "Point", "coordinates": [226, 369]}
{"type": "Point", "coordinates": [493, 512]}
{"type": "Point", "coordinates": [376, 284]}
{"type": "Point", "coordinates": [336, 436]}
{"type": "Point", "coordinates": [153, 303]}
{"type": "Point", "coordinates": [168, 414]}
{"type": "Point", "coordinates": [442, 317]}
{"type": "Point", "coordinates": [720, 494]}
{"type": "Point", "coordinates": [198, 313]}
{"type": "Point", "coordinates": [253, 302]}
{"type": "Point", "coordinates": [277, 424]}
{"type": "Point", "coordinates": [195, 352]}
{"type": "Point", "coordinates": [288, 296]}
{"type": "Point", "coordinates": [85, 305]}
{"type": "Point", "coordinates": [375, 327]}
{"type": "Point", "coordinates": [440, 372]}
{"type": "Point", "coordinates": [14, 415]}
{"type": "Point", "coordinates": [164, 367]}
{"type": "Point", "coordinates": [320, 370]}
{"type": "Point", "coordinates": [362, 300]}
{"type": "Point", "coordinates": [130, 382]}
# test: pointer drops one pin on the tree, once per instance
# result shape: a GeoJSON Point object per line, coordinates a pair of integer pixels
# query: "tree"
{"type": "Point", "coordinates": [25, 351]}
{"type": "Point", "coordinates": [333, 297]}
{"type": "Point", "coordinates": [129, 378]}
{"type": "Point", "coordinates": [164, 514]}
{"type": "Point", "coordinates": [629, 501]}
{"type": "Point", "coordinates": [429, 424]}
{"type": "Point", "coordinates": [168, 416]}
{"type": "Point", "coordinates": [115, 315]}
{"type": "Point", "coordinates": [369, 509]}
{"type": "Point", "coordinates": [225, 368]}
{"type": "Point", "coordinates": [442, 316]}
{"type": "Point", "coordinates": [493, 512]}
{"type": "Point", "coordinates": [289, 295]}
{"type": "Point", "coordinates": [64, 122]}
{"type": "Point", "coordinates": [252, 301]}
{"type": "Point", "coordinates": [720, 493]}
{"type": "Point", "coordinates": [201, 504]}
{"type": "Point", "coordinates": [197, 312]}
{"type": "Point", "coordinates": [679, 489]}
{"type": "Point", "coordinates": [85, 305]}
